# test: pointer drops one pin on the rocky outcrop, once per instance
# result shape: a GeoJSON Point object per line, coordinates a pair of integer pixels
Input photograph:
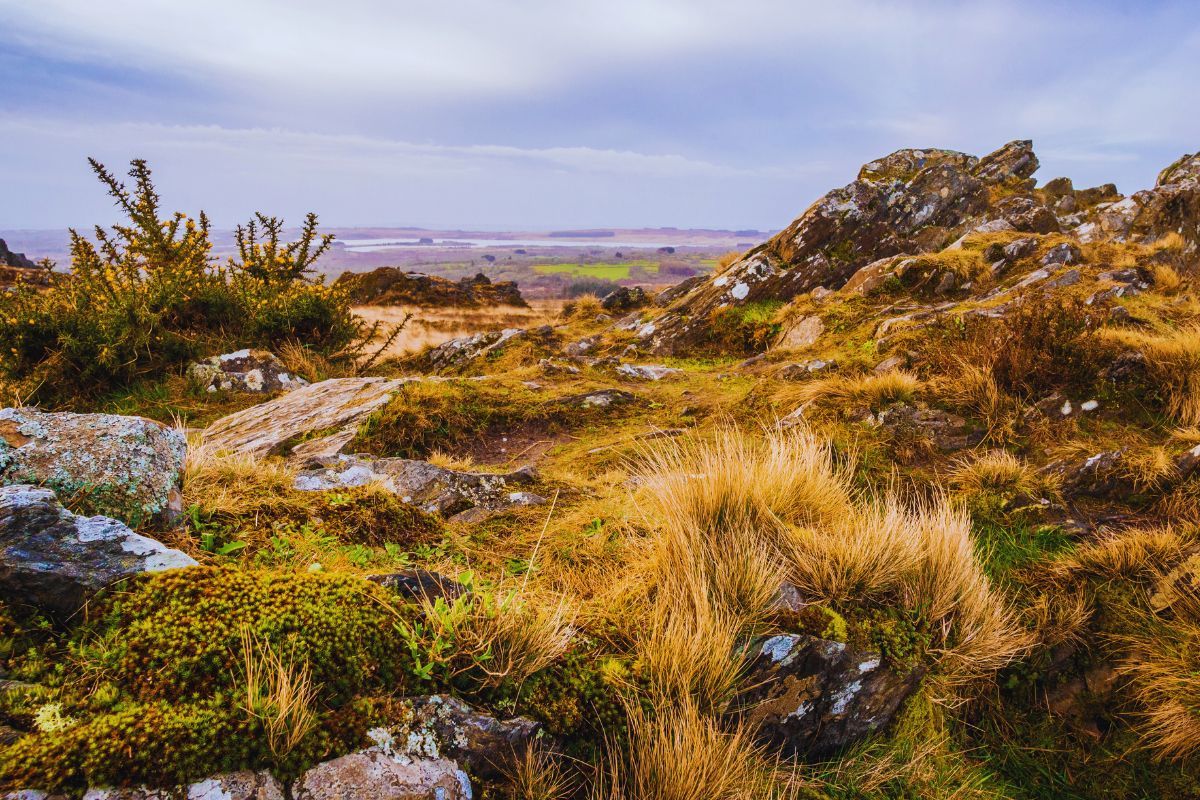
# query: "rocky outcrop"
{"type": "Point", "coordinates": [55, 560]}
{"type": "Point", "coordinates": [255, 371]}
{"type": "Point", "coordinates": [625, 298]}
{"type": "Point", "coordinates": [311, 422]}
{"type": "Point", "coordinates": [480, 742]}
{"type": "Point", "coordinates": [123, 467]}
{"type": "Point", "coordinates": [10, 259]}
{"type": "Point", "coordinates": [392, 286]}
{"type": "Point", "coordinates": [912, 201]}
{"type": "Point", "coordinates": [811, 697]}
{"type": "Point", "coordinates": [432, 488]}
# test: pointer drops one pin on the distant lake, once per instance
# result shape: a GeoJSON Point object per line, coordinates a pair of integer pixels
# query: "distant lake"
{"type": "Point", "coordinates": [368, 245]}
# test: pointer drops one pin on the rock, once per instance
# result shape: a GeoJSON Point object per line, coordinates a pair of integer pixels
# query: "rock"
{"type": "Point", "coordinates": [1076, 699]}
{"type": "Point", "coordinates": [625, 298]}
{"type": "Point", "coordinates": [908, 202]}
{"type": "Point", "coordinates": [431, 488]}
{"type": "Point", "coordinates": [871, 277]}
{"type": "Point", "coordinates": [56, 560]}
{"type": "Point", "coordinates": [1067, 278]}
{"type": "Point", "coordinates": [379, 773]}
{"type": "Point", "coordinates": [943, 430]}
{"type": "Point", "coordinates": [812, 698]}
{"type": "Point", "coordinates": [392, 286]}
{"type": "Point", "coordinates": [601, 398]}
{"type": "Point", "coordinates": [1059, 187]}
{"type": "Point", "coordinates": [554, 368]}
{"type": "Point", "coordinates": [482, 743]}
{"type": "Point", "coordinates": [1065, 253]}
{"type": "Point", "coordinates": [10, 259]}
{"type": "Point", "coordinates": [333, 408]}
{"type": "Point", "coordinates": [1100, 475]}
{"type": "Point", "coordinates": [796, 372]}
{"type": "Point", "coordinates": [582, 347]}
{"type": "Point", "coordinates": [244, 371]}
{"type": "Point", "coordinates": [244, 785]}
{"type": "Point", "coordinates": [804, 333]}
{"type": "Point", "coordinates": [1028, 215]}
{"type": "Point", "coordinates": [458, 353]}
{"type": "Point", "coordinates": [420, 584]}
{"type": "Point", "coordinates": [646, 372]}
{"type": "Point", "coordinates": [889, 364]}
{"type": "Point", "coordinates": [1126, 370]}
{"type": "Point", "coordinates": [1019, 248]}
{"type": "Point", "coordinates": [124, 467]}
{"type": "Point", "coordinates": [1172, 206]}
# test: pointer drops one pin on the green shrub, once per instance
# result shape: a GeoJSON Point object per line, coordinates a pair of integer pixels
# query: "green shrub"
{"type": "Point", "coordinates": [748, 328]}
{"type": "Point", "coordinates": [147, 297]}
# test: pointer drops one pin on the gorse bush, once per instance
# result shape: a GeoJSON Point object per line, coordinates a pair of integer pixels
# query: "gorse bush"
{"type": "Point", "coordinates": [148, 296]}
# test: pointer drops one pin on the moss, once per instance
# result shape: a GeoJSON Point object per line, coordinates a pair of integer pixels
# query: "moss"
{"type": "Point", "coordinates": [748, 328]}
{"type": "Point", "coordinates": [176, 635]}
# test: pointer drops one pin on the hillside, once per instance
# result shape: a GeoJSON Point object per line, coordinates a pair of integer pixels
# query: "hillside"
{"type": "Point", "coordinates": [902, 503]}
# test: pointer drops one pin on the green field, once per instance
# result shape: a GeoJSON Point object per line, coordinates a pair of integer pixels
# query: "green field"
{"type": "Point", "coordinates": [607, 270]}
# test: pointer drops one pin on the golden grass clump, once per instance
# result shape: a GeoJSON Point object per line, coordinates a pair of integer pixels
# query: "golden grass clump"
{"type": "Point", "coordinates": [280, 694]}
{"type": "Point", "coordinates": [683, 754]}
{"type": "Point", "coordinates": [973, 387]}
{"type": "Point", "coordinates": [999, 473]}
{"type": "Point", "coordinates": [1125, 554]}
{"type": "Point", "coordinates": [538, 774]}
{"type": "Point", "coordinates": [233, 484]}
{"type": "Point", "coordinates": [1163, 666]}
{"type": "Point", "coordinates": [874, 390]}
{"type": "Point", "coordinates": [514, 635]}
{"type": "Point", "coordinates": [1173, 359]}
{"type": "Point", "coordinates": [585, 306]}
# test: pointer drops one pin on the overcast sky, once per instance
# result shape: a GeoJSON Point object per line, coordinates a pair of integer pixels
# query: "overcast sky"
{"type": "Point", "coordinates": [563, 113]}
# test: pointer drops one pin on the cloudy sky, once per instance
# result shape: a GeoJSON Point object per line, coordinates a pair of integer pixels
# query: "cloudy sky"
{"type": "Point", "coordinates": [558, 113]}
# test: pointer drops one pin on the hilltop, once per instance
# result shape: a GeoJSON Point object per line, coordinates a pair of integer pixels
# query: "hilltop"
{"type": "Point", "coordinates": [902, 502]}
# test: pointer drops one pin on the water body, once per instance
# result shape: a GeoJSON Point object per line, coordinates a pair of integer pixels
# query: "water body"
{"type": "Point", "coordinates": [371, 245]}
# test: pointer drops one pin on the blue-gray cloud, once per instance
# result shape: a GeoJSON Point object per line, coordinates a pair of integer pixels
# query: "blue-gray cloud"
{"type": "Point", "coordinates": [541, 113]}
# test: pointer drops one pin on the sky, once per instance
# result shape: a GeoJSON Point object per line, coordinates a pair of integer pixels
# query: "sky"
{"type": "Point", "coordinates": [541, 114]}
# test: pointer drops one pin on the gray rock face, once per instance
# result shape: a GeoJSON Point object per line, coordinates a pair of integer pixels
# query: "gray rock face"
{"type": "Point", "coordinates": [626, 298]}
{"type": "Point", "coordinates": [244, 785]}
{"type": "Point", "coordinates": [433, 489]}
{"type": "Point", "coordinates": [255, 371]}
{"type": "Point", "coordinates": [420, 584]}
{"type": "Point", "coordinates": [123, 467]}
{"type": "Point", "coordinates": [646, 372]}
{"type": "Point", "coordinates": [912, 201]}
{"type": "Point", "coordinates": [457, 353]}
{"type": "Point", "coordinates": [55, 560]}
{"type": "Point", "coordinates": [812, 697]}
{"type": "Point", "coordinates": [482, 743]}
{"type": "Point", "coordinates": [383, 773]}
{"type": "Point", "coordinates": [601, 398]}
{"type": "Point", "coordinates": [334, 408]}
{"type": "Point", "coordinates": [943, 430]}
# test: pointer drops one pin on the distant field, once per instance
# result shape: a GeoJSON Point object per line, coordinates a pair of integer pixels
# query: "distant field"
{"type": "Point", "coordinates": [609, 271]}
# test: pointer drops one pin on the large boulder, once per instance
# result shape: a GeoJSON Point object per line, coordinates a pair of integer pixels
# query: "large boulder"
{"type": "Point", "coordinates": [912, 201]}
{"type": "Point", "coordinates": [310, 422]}
{"type": "Point", "coordinates": [255, 371]}
{"type": "Point", "coordinates": [123, 467]}
{"type": "Point", "coordinates": [434, 489]}
{"type": "Point", "coordinates": [1172, 206]}
{"type": "Point", "coordinates": [483, 744]}
{"type": "Point", "coordinates": [811, 697]}
{"type": "Point", "coordinates": [55, 560]}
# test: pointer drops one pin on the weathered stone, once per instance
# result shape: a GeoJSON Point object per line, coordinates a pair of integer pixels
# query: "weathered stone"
{"type": "Point", "coordinates": [382, 773]}
{"type": "Point", "coordinates": [123, 467]}
{"type": "Point", "coordinates": [55, 560]}
{"type": "Point", "coordinates": [796, 372]}
{"type": "Point", "coordinates": [433, 489]}
{"type": "Point", "coordinates": [1065, 253]}
{"type": "Point", "coordinates": [582, 347]}
{"type": "Point", "coordinates": [601, 398]}
{"type": "Point", "coordinates": [324, 417]}
{"type": "Point", "coordinates": [458, 353]}
{"type": "Point", "coordinates": [804, 333]}
{"type": "Point", "coordinates": [244, 785]}
{"type": "Point", "coordinates": [1028, 215]}
{"type": "Point", "coordinates": [420, 584]}
{"type": "Point", "coordinates": [945, 431]}
{"type": "Point", "coordinates": [480, 742]}
{"type": "Point", "coordinates": [647, 372]}
{"type": "Point", "coordinates": [1100, 475]}
{"type": "Point", "coordinates": [625, 298]}
{"type": "Point", "coordinates": [255, 371]}
{"type": "Point", "coordinates": [811, 697]}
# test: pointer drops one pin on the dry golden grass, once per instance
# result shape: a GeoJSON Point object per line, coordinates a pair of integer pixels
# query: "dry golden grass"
{"type": "Point", "coordinates": [538, 774]}
{"type": "Point", "coordinates": [727, 260]}
{"type": "Point", "coordinates": [1174, 362]}
{"type": "Point", "coordinates": [732, 514]}
{"type": "Point", "coordinates": [279, 694]}
{"type": "Point", "coordinates": [1126, 554]}
{"type": "Point", "coordinates": [586, 306]}
{"type": "Point", "coordinates": [682, 754]}
{"type": "Point", "coordinates": [998, 472]}
{"type": "Point", "coordinates": [235, 484]}
{"type": "Point", "coordinates": [1166, 278]}
{"type": "Point", "coordinates": [513, 635]}
{"type": "Point", "coordinates": [973, 387]}
{"type": "Point", "coordinates": [873, 390]}
{"type": "Point", "coordinates": [1162, 663]}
